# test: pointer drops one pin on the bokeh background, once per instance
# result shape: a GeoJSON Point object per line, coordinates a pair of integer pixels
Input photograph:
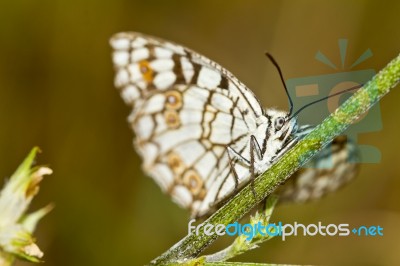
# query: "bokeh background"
{"type": "Point", "coordinates": [56, 91]}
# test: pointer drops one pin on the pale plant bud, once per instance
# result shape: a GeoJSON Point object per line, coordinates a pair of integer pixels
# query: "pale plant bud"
{"type": "Point", "coordinates": [16, 226]}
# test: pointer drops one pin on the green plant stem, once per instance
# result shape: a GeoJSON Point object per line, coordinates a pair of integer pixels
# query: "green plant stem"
{"type": "Point", "coordinates": [242, 244]}
{"type": "Point", "coordinates": [192, 245]}
{"type": "Point", "coordinates": [242, 264]}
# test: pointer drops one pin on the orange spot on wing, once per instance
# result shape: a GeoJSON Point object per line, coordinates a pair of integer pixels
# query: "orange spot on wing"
{"type": "Point", "coordinates": [175, 163]}
{"type": "Point", "coordinates": [172, 119]}
{"type": "Point", "coordinates": [146, 70]}
{"type": "Point", "coordinates": [173, 99]}
{"type": "Point", "coordinates": [193, 182]}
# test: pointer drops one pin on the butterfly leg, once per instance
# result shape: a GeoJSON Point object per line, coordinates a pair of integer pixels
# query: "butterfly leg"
{"type": "Point", "coordinates": [286, 148]}
{"type": "Point", "coordinates": [233, 155]}
{"type": "Point", "coordinates": [299, 134]}
{"type": "Point", "coordinates": [254, 148]}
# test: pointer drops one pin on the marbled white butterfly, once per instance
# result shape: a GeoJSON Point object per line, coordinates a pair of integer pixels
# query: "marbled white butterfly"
{"type": "Point", "coordinates": [201, 131]}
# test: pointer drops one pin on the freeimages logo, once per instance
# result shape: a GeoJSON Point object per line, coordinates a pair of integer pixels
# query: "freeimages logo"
{"type": "Point", "coordinates": [308, 89]}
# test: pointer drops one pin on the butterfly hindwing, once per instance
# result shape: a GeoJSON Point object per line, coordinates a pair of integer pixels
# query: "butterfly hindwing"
{"type": "Point", "coordinates": [329, 170]}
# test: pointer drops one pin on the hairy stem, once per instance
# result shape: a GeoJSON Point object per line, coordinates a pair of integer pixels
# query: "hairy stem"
{"type": "Point", "coordinates": [192, 245]}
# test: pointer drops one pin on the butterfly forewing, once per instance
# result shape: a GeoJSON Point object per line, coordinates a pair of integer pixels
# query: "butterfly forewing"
{"type": "Point", "coordinates": [186, 111]}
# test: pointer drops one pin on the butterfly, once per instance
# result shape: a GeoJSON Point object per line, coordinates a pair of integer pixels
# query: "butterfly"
{"type": "Point", "coordinates": [203, 134]}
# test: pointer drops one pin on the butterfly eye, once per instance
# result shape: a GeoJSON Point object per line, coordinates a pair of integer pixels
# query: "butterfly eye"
{"type": "Point", "coordinates": [279, 122]}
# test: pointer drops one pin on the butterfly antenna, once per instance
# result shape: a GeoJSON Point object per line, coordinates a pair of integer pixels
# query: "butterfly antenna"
{"type": "Point", "coordinates": [324, 98]}
{"type": "Point", "coordinates": [282, 79]}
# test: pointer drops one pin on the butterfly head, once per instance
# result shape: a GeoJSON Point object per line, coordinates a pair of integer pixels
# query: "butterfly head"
{"type": "Point", "coordinates": [282, 127]}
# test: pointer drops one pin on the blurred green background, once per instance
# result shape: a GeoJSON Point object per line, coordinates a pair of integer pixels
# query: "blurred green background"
{"type": "Point", "coordinates": [56, 91]}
